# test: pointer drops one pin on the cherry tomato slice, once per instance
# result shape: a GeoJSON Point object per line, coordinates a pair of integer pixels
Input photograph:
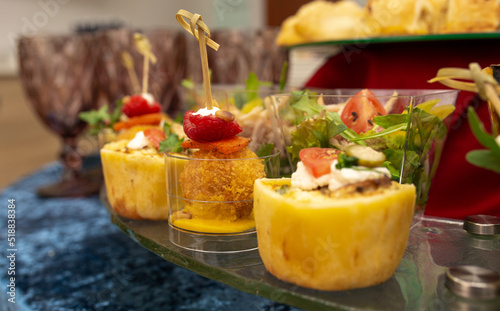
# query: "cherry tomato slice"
{"type": "Point", "coordinates": [155, 136]}
{"type": "Point", "coordinates": [360, 110]}
{"type": "Point", "coordinates": [318, 160]}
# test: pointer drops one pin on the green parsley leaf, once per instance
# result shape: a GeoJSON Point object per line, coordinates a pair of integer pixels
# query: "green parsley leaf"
{"type": "Point", "coordinates": [265, 150]}
{"type": "Point", "coordinates": [345, 161]}
{"type": "Point", "coordinates": [172, 141]}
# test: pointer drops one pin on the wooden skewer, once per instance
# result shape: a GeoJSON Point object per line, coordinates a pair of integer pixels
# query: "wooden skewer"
{"type": "Point", "coordinates": [144, 47]}
{"type": "Point", "coordinates": [128, 62]}
{"type": "Point", "coordinates": [195, 20]}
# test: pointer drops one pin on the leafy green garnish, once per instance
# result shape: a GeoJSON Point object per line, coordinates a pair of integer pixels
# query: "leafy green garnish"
{"type": "Point", "coordinates": [487, 158]}
{"type": "Point", "coordinates": [101, 118]}
{"type": "Point", "coordinates": [345, 161]}
{"type": "Point", "coordinates": [265, 150]}
{"type": "Point", "coordinates": [316, 125]}
{"type": "Point", "coordinates": [171, 141]}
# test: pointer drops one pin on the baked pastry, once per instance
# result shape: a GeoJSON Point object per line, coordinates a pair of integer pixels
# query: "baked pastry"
{"type": "Point", "coordinates": [333, 235]}
{"type": "Point", "coordinates": [133, 167]}
{"type": "Point", "coordinates": [403, 17]}
{"type": "Point", "coordinates": [472, 16]}
{"type": "Point", "coordinates": [322, 21]}
{"type": "Point", "coordinates": [135, 180]}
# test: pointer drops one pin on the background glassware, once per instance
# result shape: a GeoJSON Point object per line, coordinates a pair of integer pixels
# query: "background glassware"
{"type": "Point", "coordinates": [57, 73]}
{"type": "Point", "coordinates": [421, 148]}
{"type": "Point", "coordinates": [112, 79]}
{"type": "Point", "coordinates": [240, 52]}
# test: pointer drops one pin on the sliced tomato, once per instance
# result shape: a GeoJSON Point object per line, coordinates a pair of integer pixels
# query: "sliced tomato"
{"type": "Point", "coordinates": [155, 136]}
{"type": "Point", "coordinates": [360, 110]}
{"type": "Point", "coordinates": [318, 160]}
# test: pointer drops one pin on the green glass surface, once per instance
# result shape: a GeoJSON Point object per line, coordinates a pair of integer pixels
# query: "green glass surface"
{"type": "Point", "coordinates": [407, 38]}
{"type": "Point", "coordinates": [418, 284]}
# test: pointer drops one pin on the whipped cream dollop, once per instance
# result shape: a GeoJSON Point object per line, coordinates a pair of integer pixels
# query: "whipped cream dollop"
{"type": "Point", "coordinates": [138, 142]}
{"type": "Point", "coordinates": [337, 178]}
{"type": "Point", "coordinates": [148, 97]}
{"type": "Point", "coordinates": [206, 112]}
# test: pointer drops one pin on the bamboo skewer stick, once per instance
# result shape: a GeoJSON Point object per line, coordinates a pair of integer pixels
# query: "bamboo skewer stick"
{"type": "Point", "coordinates": [144, 47]}
{"type": "Point", "coordinates": [195, 20]}
{"type": "Point", "coordinates": [128, 62]}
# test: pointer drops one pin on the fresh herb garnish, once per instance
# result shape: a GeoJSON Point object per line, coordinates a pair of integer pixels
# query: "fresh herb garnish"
{"type": "Point", "coordinates": [316, 126]}
{"type": "Point", "coordinates": [345, 161]}
{"type": "Point", "coordinates": [101, 118]}
{"type": "Point", "coordinates": [265, 150]}
{"type": "Point", "coordinates": [171, 141]}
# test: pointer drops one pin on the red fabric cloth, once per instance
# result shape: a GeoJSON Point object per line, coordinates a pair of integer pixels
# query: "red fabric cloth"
{"type": "Point", "coordinates": [459, 189]}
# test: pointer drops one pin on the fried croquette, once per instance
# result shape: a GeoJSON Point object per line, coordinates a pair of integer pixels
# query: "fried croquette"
{"type": "Point", "coordinates": [220, 182]}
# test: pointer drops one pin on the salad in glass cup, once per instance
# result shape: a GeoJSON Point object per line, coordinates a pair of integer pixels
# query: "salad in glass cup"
{"type": "Point", "coordinates": [408, 126]}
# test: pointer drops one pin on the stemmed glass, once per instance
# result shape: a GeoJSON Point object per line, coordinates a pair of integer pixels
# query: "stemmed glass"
{"type": "Point", "coordinates": [57, 72]}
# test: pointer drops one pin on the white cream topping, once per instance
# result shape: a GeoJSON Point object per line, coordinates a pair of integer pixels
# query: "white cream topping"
{"type": "Point", "coordinates": [138, 142]}
{"type": "Point", "coordinates": [336, 179]}
{"type": "Point", "coordinates": [148, 97]}
{"type": "Point", "coordinates": [304, 180]}
{"type": "Point", "coordinates": [205, 112]}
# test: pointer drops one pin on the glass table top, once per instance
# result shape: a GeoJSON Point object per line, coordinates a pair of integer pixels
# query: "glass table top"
{"type": "Point", "coordinates": [435, 244]}
{"type": "Point", "coordinates": [406, 38]}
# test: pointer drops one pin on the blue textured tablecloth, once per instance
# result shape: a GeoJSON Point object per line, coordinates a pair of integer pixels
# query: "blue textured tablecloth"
{"type": "Point", "coordinates": [69, 256]}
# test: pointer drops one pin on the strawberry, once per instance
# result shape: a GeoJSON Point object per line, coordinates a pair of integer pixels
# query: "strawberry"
{"type": "Point", "coordinates": [137, 105]}
{"type": "Point", "coordinates": [208, 128]}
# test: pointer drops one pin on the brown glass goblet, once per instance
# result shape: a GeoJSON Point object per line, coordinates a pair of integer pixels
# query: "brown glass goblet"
{"type": "Point", "coordinates": [57, 72]}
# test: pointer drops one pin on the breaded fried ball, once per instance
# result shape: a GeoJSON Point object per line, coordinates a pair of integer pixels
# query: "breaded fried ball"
{"type": "Point", "coordinates": [221, 181]}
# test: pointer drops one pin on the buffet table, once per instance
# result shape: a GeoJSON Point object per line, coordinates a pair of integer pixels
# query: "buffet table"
{"type": "Point", "coordinates": [71, 255]}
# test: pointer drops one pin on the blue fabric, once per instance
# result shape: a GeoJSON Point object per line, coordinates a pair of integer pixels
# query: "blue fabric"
{"type": "Point", "coordinates": [71, 257]}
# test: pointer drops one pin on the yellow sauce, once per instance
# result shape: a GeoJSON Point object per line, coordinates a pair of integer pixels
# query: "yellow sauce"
{"type": "Point", "coordinates": [214, 225]}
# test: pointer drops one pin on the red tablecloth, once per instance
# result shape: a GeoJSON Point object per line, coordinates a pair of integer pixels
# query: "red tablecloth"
{"type": "Point", "coordinates": [459, 189]}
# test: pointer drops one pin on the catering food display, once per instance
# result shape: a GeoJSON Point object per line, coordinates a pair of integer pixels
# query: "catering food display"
{"type": "Point", "coordinates": [321, 20]}
{"type": "Point", "coordinates": [339, 223]}
{"type": "Point", "coordinates": [130, 136]}
{"type": "Point", "coordinates": [408, 126]}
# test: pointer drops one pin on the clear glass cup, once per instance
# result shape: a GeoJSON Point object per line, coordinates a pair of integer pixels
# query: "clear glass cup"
{"type": "Point", "coordinates": [211, 199]}
{"type": "Point", "coordinates": [414, 149]}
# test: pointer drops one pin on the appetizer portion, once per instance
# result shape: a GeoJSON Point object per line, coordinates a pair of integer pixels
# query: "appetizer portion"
{"type": "Point", "coordinates": [134, 177]}
{"type": "Point", "coordinates": [339, 223]}
{"type": "Point", "coordinates": [132, 137]}
{"type": "Point", "coordinates": [408, 126]}
{"type": "Point", "coordinates": [211, 186]}
{"type": "Point", "coordinates": [133, 165]}
{"type": "Point", "coordinates": [218, 176]}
